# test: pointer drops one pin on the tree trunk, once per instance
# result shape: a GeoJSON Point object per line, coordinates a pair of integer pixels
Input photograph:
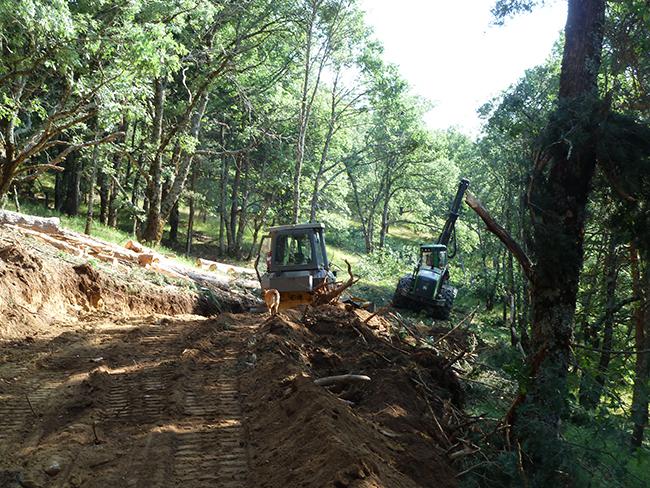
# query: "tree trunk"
{"type": "Point", "coordinates": [92, 179]}
{"type": "Point", "coordinates": [384, 217]}
{"type": "Point", "coordinates": [303, 119]}
{"type": "Point", "coordinates": [243, 212]}
{"type": "Point", "coordinates": [560, 186]}
{"type": "Point", "coordinates": [187, 160]}
{"type": "Point", "coordinates": [369, 235]}
{"type": "Point", "coordinates": [257, 226]}
{"type": "Point", "coordinates": [59, 191]}
{"type": "Point", "coordinates": [153, 224]}
{"type": "Point", "coordinates": [641, 390]}
{"type": "Point", "coordinates": [174, 219]}
{"type": "Point", "coordinates": [111, 217]}
{"type": "Point", "coordinates": [231, 228]}
{"type": "Point", "coordinates": [305, 103]}
{"type": "Point", "coordinates": [104, 189]}
{"type": "Point", "coordinates": [331, 127]}
{"type": "Point", "coordinates": [72, 185]}
{"type": "Point", "coordinates": [591, 391]}
{"type": "Point", "coordinates": [190, 218]}
{"type": "Point", "coordinates": [223, 200]}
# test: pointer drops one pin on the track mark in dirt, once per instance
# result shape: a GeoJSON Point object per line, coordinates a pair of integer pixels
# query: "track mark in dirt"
{"type": "Point", "coordinates": [214, 453]}
{"type": "Point", "coordinates": [145, 405]}
{"type": "Point", "coordinates": [21, 405]}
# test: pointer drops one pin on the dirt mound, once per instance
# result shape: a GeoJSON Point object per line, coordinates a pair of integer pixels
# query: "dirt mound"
{"type": "Point", "coordinates": [40, 286]}
{"type": "Point", "coordinates": [390, 431]}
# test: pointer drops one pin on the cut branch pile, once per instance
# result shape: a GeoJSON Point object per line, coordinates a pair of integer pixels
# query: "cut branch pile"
{"type": "Point", "coordinates": [329, 294]}
{"type": "Point", "coordinates": [130, 255]}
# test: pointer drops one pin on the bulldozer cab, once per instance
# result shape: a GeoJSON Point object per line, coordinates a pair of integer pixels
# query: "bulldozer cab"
{"type": "Point", "coordinates": [296, 263]}
{"type": "Point", "coordinates": [433, 256]}
{"type": "Point", "coordinates": [296, 248]}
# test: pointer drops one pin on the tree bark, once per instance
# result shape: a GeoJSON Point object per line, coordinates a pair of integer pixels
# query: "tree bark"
{"type": "Point", "coordinates": [72, 185]}
{"type": "Point", "coordinates": [153, 222]}
{"type": "Point", "coordinates": [243, 211]}
{"type": "Point", "coordinates": [104, 190]}
{"type": "Point", "coordinates": [558, 194]}
{"type": "Point", "coordinates": [223, 198]}
{"type": "Point", "coordinates": [591, 390]}
{"type": "Point", "coordinates": [192, 210]}
{"type": "Point", "coordinates": [641, 389]}
{"type": "Point", "coordinates": [92, 179]}
{"type": "Point", "coordinates": [174, 220]}
{"type": "Point", "coordinates": [384, 216]}
{"type": "Point", "coordinates": [322, 166]}
{"type": "Point", "coordinates": [303, 116]}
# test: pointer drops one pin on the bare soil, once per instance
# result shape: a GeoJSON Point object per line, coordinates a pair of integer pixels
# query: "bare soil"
{"type": "Point", "coordinates": [113, 380]}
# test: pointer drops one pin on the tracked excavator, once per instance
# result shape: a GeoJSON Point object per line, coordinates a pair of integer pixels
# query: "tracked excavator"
{"type": "Point", "coordinates": [427, 288]}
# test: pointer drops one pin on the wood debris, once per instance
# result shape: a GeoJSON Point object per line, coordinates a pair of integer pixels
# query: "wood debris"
{"type": "Point", "coordinates": [131, 254]}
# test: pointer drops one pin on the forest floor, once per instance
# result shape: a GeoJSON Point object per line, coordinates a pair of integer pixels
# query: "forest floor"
{"type": "Point", "coordinates": [123, 379]}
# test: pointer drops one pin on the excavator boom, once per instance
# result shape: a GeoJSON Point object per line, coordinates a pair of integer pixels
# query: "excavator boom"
{"type": "Point", "coordinates": [448, 229]}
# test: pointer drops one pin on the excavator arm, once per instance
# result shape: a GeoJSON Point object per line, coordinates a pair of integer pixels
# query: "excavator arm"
{"type": "Point", "coordinates": [448, 229]}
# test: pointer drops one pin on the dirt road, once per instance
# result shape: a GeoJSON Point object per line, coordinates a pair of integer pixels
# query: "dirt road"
{"type": "Point", "coordinates": [144, 402]}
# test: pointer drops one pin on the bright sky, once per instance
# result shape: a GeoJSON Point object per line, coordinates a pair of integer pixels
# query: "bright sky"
{"type": "Point", "coordinates": [452, 56]}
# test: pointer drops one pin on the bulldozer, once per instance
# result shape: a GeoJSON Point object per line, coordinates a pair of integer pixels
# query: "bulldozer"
{"type": "Point", "coordinates": [427, 288]}
{"type": "Point", "coordinates": [297, 264]}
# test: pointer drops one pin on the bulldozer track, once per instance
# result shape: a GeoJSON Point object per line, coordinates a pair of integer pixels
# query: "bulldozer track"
{"type": "Point", "coordinates": [22, 405]}
{"type": "Point", "coordinates": [179, 421]}
{"type": "Point", "coordinates": [214, 455]}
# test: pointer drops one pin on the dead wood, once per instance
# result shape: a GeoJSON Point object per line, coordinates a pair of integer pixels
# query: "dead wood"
{"type": "Point", "coordinates": [413, 333]}
{"type": "Point", "coordinates": [469, 316]}
{"type": "Point", "coordinates": [378, 312]}
{"type": "Point", "coordinates": [503, 235]}
{"type": "Point", "coordinates": [134, 246]}
{"type": "Point", "coordinates": [463, 452]}
{"type": "Point", "coordinates": [206, 264]}
{"type": "Point", "coordinates": [330, 296]}
{"type": "Point", "coordinates": [421, 382]}
{"type": "Point", "coordinates": [345, 378]}
{"type": "Point", "coordinates": [59, 244]}
{"type": "Point", "coordinates": [43, 224]}
{"type": "Point", "coordinates": [148, 259]}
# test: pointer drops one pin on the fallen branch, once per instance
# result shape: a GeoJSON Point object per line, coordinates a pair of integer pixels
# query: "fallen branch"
{"type": "Point", "coordinates": [469, 315]}
{"type": "Point", "coordinates": [433, 415]}
{"type": "Point", "coordinates": [416, 335]}
{"type": "Point", "coordinates": [463, 452]}
{"type": "Point", "coordinates": [31, 407]}
{"type": "Point", "coordinates": [378, 312]}
{"type": "Point", "coordinates": [503, 235]}
{"type": "Point", "coordinates": [345, 378]}
{"type": "Point", "coordinates": [45, 224]}
{"type": "Point", "coordinates": [330, 296]}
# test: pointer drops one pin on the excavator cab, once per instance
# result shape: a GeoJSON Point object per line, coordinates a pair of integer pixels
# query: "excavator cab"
{"type": "Point", "coordinates": [433, 255]}
{"type": "Point", "coordinates": [296, 263]}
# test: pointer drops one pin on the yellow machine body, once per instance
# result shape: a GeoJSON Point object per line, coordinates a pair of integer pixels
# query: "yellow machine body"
{"type": "Point", "coordinates": [291, 299]}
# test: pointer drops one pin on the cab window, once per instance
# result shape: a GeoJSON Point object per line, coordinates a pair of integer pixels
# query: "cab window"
{"type": "Point", "coordinates": [429, 259]}
{"type": "Point", "coordinates": [319, 249]}
{"type": "Point", "coordinates": [293, 250]}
